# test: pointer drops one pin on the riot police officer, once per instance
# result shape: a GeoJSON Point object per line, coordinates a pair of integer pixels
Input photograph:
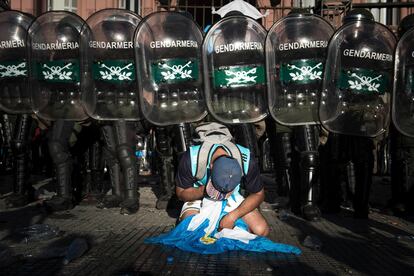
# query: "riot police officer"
{"type": "Point", "coordinates": [402, 128]}
{"type": "Point", "coordinates": [15, 98]}
{"type": "Point", "coordinates": [168, 59]}
{"type": "Point", "coordinates": [296, 57]}
{"type": "Point", "coordinates": [109, 94]}
{"type": "Point", "coordinates": [54, 41]}
{"type": "Point", "coordinates": [355, 106]}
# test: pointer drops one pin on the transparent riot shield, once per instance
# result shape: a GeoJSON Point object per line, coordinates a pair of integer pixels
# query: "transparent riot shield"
{"type": "Point", "coordinates": [54, 41]}
{"type": "Point", "coordinates": [358, 80]}
{"type": "Point", "coordinates": [168, 59]}
{"type": "Point", "coordinates": [14, 92]}
{"type": "Point", "coordinates": [403, 97]}
{"type": "Point", "coordinates": [109, 84]}
{"type": "Point", "coordinates": [234, 70]}
{"type": "Point", "coordinates": [296, 48]}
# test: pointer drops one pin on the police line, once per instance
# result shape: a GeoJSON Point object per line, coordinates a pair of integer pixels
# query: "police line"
{"type": "Point", "coordinates": [162, 68]}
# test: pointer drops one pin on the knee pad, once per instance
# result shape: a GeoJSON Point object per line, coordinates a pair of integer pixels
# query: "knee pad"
{"type": "Point", "coordinates": [58, 152]}
{"type": "Point", "coordinates": [18, 147]}
{"type": "Point", "coordinates": [126, 156]}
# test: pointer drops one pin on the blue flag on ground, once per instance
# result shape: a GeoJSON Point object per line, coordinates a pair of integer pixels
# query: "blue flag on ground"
{"type": "Point", "coordinates": [198, 233]}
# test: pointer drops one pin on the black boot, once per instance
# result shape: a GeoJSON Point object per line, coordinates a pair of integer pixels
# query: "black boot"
{"type": "Point", "coordinates": [114, 200]}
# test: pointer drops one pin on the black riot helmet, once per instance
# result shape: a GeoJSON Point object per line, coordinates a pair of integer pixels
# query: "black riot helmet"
{"type": "Point", "coordinates": [357, 14]}
{"type": "Point", "coordinates": [405, 24]}
{"type": "Point", "coordinates": [186, 14]}
{"type": "Point", "coordinates": [297, 12]}
{"type": "Point", "coordinates": [66, 31]}
{"type": "Point", "coordinates": [16, 23]}
{"type": "Point", "coordinates": [360, 38]}
{"type": "Point", "coordinates": [117, 31]}
{"type": "Point", "coordinates": [65, 28]}
{"type": "Point", "coordinates": [233, 13]}
{"type": "Point", "coordinates": [235, 28]}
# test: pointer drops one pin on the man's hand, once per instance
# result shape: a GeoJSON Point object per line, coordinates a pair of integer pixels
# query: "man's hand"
{"type": "Point", "coordinates": [190, 194]}
{"type": "Point", "coordinates": [228, 221]}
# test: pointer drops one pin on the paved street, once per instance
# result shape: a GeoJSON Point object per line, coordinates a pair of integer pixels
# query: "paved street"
{"type": "Point", "coordinates": [382, 245]}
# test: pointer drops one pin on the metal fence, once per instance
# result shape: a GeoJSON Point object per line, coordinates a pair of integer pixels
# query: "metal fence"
{"type": "Point", "coordinates": [202, 12]}
{"type": "Point", "coordinates": [384, 11]}
{"type": "Point", "coordinates": [388, 12]}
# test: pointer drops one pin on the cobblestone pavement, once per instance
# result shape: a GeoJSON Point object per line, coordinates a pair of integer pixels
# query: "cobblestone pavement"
{"type": "Point", "coordinates": [382, 245]}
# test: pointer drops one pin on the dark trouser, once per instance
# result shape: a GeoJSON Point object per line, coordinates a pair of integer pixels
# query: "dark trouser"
{"type": "Point", "coordinates": [339, 151]}
{"type": "Point", "coordinates": [402, 169]}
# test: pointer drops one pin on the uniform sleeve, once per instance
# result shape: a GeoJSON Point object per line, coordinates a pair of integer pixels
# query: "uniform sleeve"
{"type": "Point", "coordinates": [184, 178]}
{"type": "Point", "coordinates": [253, 182]}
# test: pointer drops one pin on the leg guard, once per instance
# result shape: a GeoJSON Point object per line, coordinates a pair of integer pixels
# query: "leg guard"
{"type": "Point", "coordinates": [363, 159]}
{"type": "Point", "coordinates": [20, 151]}
{"type": "Point", "coordinates": [114, 200]}
{"type": "Point", "coordinates": [182, 138]}
{"type": "Point", "coordinates": [126, 156]}
{"type": "Point", "coordinates": [112, 160]}
{"type": "Point", "coordinates": [306, 141]}
{"type": "Point", "coordinates": [283, 162]}
{"type": "Point", "coordinates": [96, 168]}
{"type": "Point", "coordinates": [165, 167]}
{"type": "Point", "coordinates": [331, 159]}
{"type": "Point", "coordinates": [59, 152]}
{"type": "Point", "coordinates": [6, 131]}
{"type": "Point", "coordinates": [125, 136]}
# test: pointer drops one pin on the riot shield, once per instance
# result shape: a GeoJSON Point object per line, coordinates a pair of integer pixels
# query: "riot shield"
{"type": "Point", "coordinates": [296, 48]}
{"type": "Point", "coordinates": [358, 80]}
{"type": "Point", "coordinates": [403, 96]}
{"type": "Point", "coordinates": [109, 84]}
{"type": "Point", "coordinates": [14, 92]}
{"type": "Point", "coordinates": [234, 70]}
{"type": "Point", "coordinates": [168, 59]}
{"type": "Point", "coordinates": [54, 39]}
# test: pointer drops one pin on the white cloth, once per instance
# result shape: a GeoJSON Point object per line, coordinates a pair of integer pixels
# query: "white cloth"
{"type": "Point", "coordinates": [211, 210]}
{"type": "Point", "coordinates": [241, 6]}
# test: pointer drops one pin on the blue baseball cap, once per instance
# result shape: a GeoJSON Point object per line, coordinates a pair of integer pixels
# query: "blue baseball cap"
{"type": "Point", "coordinates": [226, 174]}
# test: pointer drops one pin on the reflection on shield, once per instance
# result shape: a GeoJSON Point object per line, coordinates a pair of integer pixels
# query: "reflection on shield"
{"type": "Point", "coordinates": [296, 50]}
{"type": "Point", "coordinates": [55, 70]}
{"type": "Point", "coordinates": [168, 55]}
{"type": "Point", "coordinates": [14, 90]}
{"type": "Point", "coordinates": [109, 84]}
{"type": "Point", "coordinates": [357, 83]}
{"type": "Point", "coordinates": [403, 97]}
{"type": "Point", "coordinates": [234, 70]}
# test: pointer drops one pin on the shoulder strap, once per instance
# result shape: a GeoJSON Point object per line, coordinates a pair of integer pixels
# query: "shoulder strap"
{"type": "Point", "coordinates": [205, 153]}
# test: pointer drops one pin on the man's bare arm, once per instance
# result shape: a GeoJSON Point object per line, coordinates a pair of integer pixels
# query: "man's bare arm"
{"type": "Point", "coordinates": [189, 194]}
